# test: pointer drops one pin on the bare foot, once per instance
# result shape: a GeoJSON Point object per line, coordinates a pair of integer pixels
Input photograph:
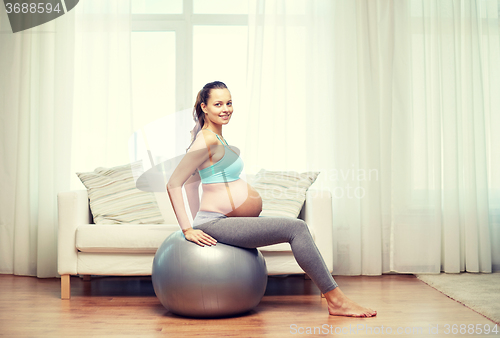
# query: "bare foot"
{"type": "Point", "coordinates": [340, 305]}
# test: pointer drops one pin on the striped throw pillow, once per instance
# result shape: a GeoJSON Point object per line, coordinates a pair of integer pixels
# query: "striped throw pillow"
{"type": "Point", "coordinates": [283, 192]}
{"type": "Point", "coordinates": [115, 199]}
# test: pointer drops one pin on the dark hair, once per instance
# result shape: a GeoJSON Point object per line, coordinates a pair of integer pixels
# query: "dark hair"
{"type": "Point", "coordinates": [198, 114]}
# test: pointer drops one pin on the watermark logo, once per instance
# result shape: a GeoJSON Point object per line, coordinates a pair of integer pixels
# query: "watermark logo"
{"type": "Point", "coordinates": [26, 14]}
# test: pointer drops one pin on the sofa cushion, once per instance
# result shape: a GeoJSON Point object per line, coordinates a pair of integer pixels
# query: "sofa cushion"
{"type": "Point", "coordinates": [122, 238]}
{"type": "Point", "coordinates": [283, 192]}
{"type": "Point", "coordinates": [115, 199]}
{"type": "Point", "coordinates": [135, 238]}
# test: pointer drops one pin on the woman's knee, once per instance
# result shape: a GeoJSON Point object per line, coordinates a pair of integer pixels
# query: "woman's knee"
{"type": "Point", "coordinates": [300, 224]}
{"type": "Point", "coordinates": [301, 230]}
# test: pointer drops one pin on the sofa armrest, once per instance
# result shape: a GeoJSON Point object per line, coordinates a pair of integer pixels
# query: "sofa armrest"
{"type": "Point", "coordinates": [73, 210]}
{"type": "Point", "coordinates": [317, 213]}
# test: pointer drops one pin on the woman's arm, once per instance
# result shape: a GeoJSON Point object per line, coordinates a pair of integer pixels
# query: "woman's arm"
{"type": "Point", "coordinates": [192, 187]}
{"type": "Point", "coordinates": [196, 155]}
{"type": "Point", "coordinates": [181, 174]}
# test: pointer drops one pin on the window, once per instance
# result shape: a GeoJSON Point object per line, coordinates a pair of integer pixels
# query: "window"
{"type": "Point", "coordinates": [196, 58]}
{"type": "Point", "coordinates": [177, 47]}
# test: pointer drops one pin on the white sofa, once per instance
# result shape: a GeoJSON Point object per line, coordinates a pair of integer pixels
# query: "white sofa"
{"type": "Point", "coordinates": [85, 248]}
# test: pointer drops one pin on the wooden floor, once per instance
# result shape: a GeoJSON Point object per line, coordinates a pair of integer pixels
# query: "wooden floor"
{"type": "Point", "coordinates": [292, 306]}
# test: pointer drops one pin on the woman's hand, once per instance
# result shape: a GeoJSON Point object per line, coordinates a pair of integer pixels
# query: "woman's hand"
{"type": "Point", "coordinates": [199, 237]}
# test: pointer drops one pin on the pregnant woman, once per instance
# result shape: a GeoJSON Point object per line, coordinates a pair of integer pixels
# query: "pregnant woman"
{"type": "Point", "coordinates": [229, 207]}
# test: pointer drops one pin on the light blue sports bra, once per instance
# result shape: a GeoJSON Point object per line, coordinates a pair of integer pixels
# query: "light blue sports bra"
{"type": "Point", "coordinates": [227, 169]}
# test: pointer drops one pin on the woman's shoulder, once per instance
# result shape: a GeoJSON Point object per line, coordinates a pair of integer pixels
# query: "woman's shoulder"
{"type": "Point", "coordinates": [207, 134]}
{"type": "Point", "coordinates": [205, 138]}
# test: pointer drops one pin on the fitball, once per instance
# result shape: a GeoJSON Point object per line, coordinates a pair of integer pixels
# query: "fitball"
{"type": "Point", "coordinates": [209, 281]}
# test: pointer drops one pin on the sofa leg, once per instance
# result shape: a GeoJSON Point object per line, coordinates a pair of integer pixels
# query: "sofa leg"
{"type": "Point", "coordinates": [65, 287]}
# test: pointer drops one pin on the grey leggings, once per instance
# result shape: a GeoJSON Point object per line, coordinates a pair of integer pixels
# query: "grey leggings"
{"type": "Point", "coordinates": [253, 232]}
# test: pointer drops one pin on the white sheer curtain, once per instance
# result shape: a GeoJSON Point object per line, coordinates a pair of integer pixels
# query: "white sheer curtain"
{"type": "Point", "coordinates": [393, 101]}
{"type": "Point", "coordinates": [103, 116]}
{"type": "Point", "coordinates": [64, 93]}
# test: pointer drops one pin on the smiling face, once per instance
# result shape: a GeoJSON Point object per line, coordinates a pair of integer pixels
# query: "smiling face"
{"type": "Point", "coordinates": [219, 107]}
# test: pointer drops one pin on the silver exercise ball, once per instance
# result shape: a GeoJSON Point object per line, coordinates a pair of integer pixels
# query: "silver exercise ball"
{"type": "Point", "coordinates": [210, 281]}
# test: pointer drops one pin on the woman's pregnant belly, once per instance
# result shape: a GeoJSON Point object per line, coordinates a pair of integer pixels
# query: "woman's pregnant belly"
{"type": "Point", "coordinates": [217, 197]}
